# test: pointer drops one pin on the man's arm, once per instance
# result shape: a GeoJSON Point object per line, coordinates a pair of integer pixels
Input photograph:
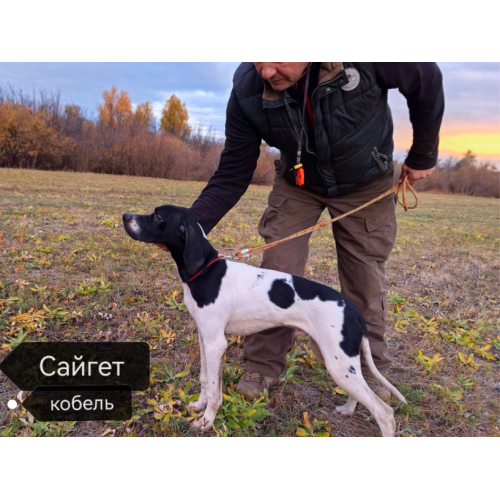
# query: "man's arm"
{"type": "Point", "coordinates": [236, 167]}
{"type": "Point", "coordinates": [422, 85]}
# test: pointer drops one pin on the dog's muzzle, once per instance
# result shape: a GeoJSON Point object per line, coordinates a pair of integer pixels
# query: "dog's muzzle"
{"type": "Point", "coordinates": [131, 226]}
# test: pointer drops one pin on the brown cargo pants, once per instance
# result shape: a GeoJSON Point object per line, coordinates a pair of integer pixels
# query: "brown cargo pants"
{"type": "Point", "coordinates": [364, 242]}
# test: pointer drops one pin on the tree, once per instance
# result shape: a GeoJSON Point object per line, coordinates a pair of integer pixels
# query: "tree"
{"type": "Point", "coordinates": [116, 109]}
{"type": "Point", "coordinates": [175, 117]}
{"type": "Point", "coordinates": [143, 116]}
{"type": "Point", "coordinates": [75, 123]}
{"type": "Point", "coordinates": [27, 140]}
{"type": "Point", "coordinates": [469, 160]}
{"type": "Point", "coordinates": [72, 110]}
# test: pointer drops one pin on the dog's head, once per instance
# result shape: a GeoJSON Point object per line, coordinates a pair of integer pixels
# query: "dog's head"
{"type": "Point", "coordinates": [177, 229]}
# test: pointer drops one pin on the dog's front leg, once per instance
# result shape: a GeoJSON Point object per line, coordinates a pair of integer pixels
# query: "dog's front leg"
{"type": "Point", "coordinates": [214, 344]}
{"type": "Point", "coordinates": [202, 400]}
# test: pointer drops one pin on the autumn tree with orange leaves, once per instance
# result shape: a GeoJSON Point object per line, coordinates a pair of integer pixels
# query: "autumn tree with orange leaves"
{"type": "Point", "coordinates": [143, 116]}
{"type": "Point", "coordinates": [116, 109]}
{"type": "Point", "coordinates": [175, 117]}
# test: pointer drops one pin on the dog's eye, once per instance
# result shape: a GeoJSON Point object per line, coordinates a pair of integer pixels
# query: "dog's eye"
{"type": "Point", "coordinates": [158, 216]}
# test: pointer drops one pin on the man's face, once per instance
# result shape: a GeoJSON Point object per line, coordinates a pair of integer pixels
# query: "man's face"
{"type": "Point", "coordinates": [280, 75]}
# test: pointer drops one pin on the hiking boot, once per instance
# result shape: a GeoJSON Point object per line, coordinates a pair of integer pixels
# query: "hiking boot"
{"type": "Point", "coordinates": [381, 391]}
{"type": "Point", "coordinates": [252, 384]}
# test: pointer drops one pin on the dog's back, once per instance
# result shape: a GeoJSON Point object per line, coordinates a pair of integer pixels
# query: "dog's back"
{"type": "Point", "coordinates": [249, 300]}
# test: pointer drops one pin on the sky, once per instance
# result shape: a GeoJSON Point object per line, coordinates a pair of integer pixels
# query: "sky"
{"type": "Point", "coordinates": [472, 95]}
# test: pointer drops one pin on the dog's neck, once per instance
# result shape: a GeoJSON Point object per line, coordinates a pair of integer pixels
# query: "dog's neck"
{"type": "Point", "coordinates": [209, 255]}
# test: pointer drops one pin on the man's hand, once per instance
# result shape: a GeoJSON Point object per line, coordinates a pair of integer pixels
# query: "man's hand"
{"type": "Point", "coordinates": [414, 175]}
{"type": "Point", "coordinates": [162, 246]}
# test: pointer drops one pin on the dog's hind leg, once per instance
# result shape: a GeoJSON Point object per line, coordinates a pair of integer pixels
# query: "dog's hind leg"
{"type": "Point", "coordinates": [202, 400]}
{"type": "Point", "coordinates": [346, 371]}
{"type": "Point", "coordinates": [358, 390]}
{"type": "Point", "coordinates": [348, 408]}
{"type": "Point", "coordinates": [383, 413]}
{"type": "Point", "coordinates": [215, 345]}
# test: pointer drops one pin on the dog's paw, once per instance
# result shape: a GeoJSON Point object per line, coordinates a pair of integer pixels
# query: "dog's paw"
{"type": "Point", "coordinates": [201, 424]}
{"type": "Point", "coordinates": [197, 406]}
{"type": "Point", "coordinates": [344, 411]}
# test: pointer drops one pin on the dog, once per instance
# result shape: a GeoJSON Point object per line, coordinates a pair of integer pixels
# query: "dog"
{"type": "Point", "coordinates": [232, 298]}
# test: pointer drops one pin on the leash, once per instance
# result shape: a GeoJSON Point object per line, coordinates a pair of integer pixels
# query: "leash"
{"type": "Point", "coordinates": [399, 189]}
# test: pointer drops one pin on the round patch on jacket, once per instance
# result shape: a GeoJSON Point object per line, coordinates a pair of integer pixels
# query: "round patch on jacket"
{"type": "Point", "coordinates": [353, 77]}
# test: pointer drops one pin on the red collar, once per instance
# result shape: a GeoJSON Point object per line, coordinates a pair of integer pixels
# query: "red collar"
{"type": "Point", "coordinates": [206, 267]}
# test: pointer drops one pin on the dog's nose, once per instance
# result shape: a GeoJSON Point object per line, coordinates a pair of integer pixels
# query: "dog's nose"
{"type": "Point", "coordinates": [127, 217]}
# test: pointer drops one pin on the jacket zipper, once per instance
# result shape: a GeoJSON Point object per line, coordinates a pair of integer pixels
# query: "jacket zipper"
{"type": "Point", "coordinates": [324, 84]}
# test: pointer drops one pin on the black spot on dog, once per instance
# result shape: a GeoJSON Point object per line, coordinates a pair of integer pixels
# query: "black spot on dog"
{"type": "Point", "coordinates": [281, 294]}
{"type": "Point", "coordinates": [353, 330]}
{"type": "Point", "coordinates": [352, 370]}
{"type": "Point", "coordinates": [309, 290]}
{"type": "Point", "coordinates": [336, 357]}
{"type": "Point", "coordinates": [347, 376]}
{"type": "Point", "coordinates": [206, 287]}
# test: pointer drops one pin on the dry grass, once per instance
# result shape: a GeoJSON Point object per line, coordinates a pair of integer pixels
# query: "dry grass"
{"type": "Point", "coordinates": [58, 231]}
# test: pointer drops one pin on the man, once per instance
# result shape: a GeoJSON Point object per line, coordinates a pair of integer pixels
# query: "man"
{"type": "Point", "coordinates": [333, 126]}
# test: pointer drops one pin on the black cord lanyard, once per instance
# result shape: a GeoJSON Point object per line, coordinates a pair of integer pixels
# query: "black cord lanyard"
{"type": "Point", "coordinates": [299, 170]}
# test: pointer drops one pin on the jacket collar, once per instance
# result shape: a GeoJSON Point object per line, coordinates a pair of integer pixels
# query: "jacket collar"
{"type": "Point", "coordinates": [327, 71]}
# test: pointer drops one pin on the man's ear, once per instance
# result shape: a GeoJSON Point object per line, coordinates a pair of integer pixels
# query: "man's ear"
{"type": "Point", "coordinates": [194, 256]}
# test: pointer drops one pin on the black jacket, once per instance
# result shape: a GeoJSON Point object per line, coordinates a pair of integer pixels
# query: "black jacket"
{"type": "Point", "coordinates": [349, 123]}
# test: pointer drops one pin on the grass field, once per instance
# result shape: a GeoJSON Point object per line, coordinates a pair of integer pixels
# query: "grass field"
{"type": "Point", "coordinates": [69, 272]}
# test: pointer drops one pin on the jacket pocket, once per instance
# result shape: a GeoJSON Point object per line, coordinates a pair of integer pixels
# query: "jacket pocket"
{"type": "Point", "coordinates": [382, 161]}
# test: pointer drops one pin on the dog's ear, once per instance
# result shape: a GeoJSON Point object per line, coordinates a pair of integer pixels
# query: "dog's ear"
{"type": "Point", "coordinates": [194, 256]}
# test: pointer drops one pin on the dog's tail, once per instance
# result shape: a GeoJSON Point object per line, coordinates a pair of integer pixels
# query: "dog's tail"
{"type": "Point", "coordinates": [367, 353]}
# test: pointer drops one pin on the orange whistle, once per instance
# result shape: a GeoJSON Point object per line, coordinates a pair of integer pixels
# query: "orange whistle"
{"type": "Point", "coordinates": [300, 174]}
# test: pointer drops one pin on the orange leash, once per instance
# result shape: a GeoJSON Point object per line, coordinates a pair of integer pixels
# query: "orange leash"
{"type": "Point", "coordinates": [399, 189]}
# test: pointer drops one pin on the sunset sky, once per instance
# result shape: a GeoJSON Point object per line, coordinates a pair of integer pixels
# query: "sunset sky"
{"type": "Point", "coordinates": [472, 94]}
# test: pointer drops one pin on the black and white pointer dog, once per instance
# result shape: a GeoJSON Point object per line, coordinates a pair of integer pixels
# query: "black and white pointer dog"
{"type": "Point", "coordinates": [231, 298]}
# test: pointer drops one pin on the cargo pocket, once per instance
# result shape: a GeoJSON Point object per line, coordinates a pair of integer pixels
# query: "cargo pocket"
{"type": "Point", "coordinates": [381, 229]}
{"type": "Point", "coordinates": [268, 223]}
